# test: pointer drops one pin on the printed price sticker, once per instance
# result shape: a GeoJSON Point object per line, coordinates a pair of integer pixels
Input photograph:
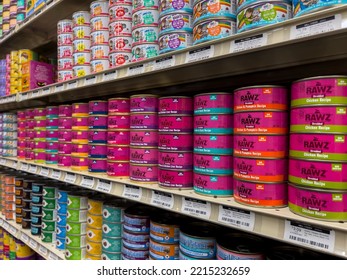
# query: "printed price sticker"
{"type": "Point", "coordinates": [70, 178]}
{"type": "Point", "coordinates": [315, 27]}
{"type": "Point", "coordinates": [71, 85]}
{"type": "Point", "coordinates": [45, 91]}
{"type": "Point", "coordinates": [136, 70]}
{"type": "Point", "coordinates": [309, 235]}
{"type": "Point", "coordinates": [6, 226]}
{"type": "Point", "coordinates": [236, 217]}
{"type": "Point", "coordinates": [23, 96]}
{"type": "Point", "coordinates": [56, 174]}
{"type": "Point", "coordinates": [32, 168]}
{"type": "Point", "coordinates": [24, 238]}
{"type": "Point", "coordinates": [200, 54]}
{"type": "Point", "coordinates": [33, 243]}
{"type": "Point", "coordinates": [1, 222]}
{"type": "Point", "coordinates": [132, 192]}
{"type": "Point", "coordinates": [59, 88]}
{"type": "Point", "coordinates": [12, 230]}
{"type": "Point", "coordinates": [44, 171]}
{"type": "Point", "coordinates": [90, 81]}
{"type": "Point", "coordinates": [165, 62]}
{"type": "Point", "coordinates": [248, 43]}
{"type": "Point", "coordinates": [35, 94]}
{"type": "Point", "coordinates": [2, 161]}
{"type": "Point", "coordinates": [103, 186]}
{"type": "Point", "coordinates": [52, 257]}
{"type": "Point", "coordinates": [162, 199]}
{"type": "Point", "coordinates": [195, 207]}
{"type": "Point", "coordinates": [24, 167]}
{"type": "Point", "coordinates": [109, 76]}
{"type": "Point", "coordinates": [87, 182]}
{"type": "Point", "coordinates": [14, 164]}
{"type": "Point", "coordinates": [43, 250]}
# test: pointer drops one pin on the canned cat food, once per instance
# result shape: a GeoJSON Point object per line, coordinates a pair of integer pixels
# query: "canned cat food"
{"type": "Point", "coordinates": [62, 208]}
{"type": "Point", "coordinates": [111, 256]}
{"type": "Point", "coordinates": [120, 12]}
{"type": "Point", "coordinates": [112, 244]}
{"type": "Point", "coordinates": [97, 122]}
{"type": "Point", "coordinates": [94, 235]}
{"type": "Point", "coordinates": [81, 32]}
{"type": "Point", "coordinates": [65, 135]}
{"type": "Point", "coordinates": [64, 26]}
{"type": "Point", "coordinates": [177, 21]}
{"type": "Point", "coordinates": [99, 37]}
{"type": "Point", "coordinates": [303, 8]}
{"type": "Point", "coordinates": [128, 254]}
{"type": "Point", "coordinates": [173, 178]}
{"type": "Point", "coordinates": [144, 173]}
{"type": "Point", "coordinates": [143, 121]}
{"type": "Point", "coordinates": [213, 103]}
{"type": "Point", "coordinates": [160, 251]}
{"type": "Point", "coordinates": [61, 232]}
{"type": "Point", "coordinates": [48, 225]}
{"type": "Point", "coordinates": [169, 6]}
{"type": "Point", "coordinates": [213, 164]}
{"type": "Point", "coordinates": [79, 137]}
{"type": "Point", "coordinates": [99, 8]}
{"type": "Point", "coordinates": [76, 215]}
{"type": "Point", "coordinates": [176, 142]}
{"type": "Point", "coordinates": [118, 153]}
{"type": "Point", "coordinates": [81, 58]}
{"type": "Point", "coordinates": [81, 18]}
{"type": "Point", "coordinates": [80, 110]}
{"type": "Point", "coordinates": [175, 160]}
{"type": "Point", "coordinates": [65, 123]}
{"type": "Point", "coordinates": [98, 107]}
{"type": "Point", "coordinates": [64, 75]}
{"type": "Point", "coordinates": [61, 220]}
{"type": "Point", "coordinates": [213, 185]}
{"type": "Point", "coordinates": [263, 146]}
{"type": "Point", "coordinates": [64, 148]}
{"type": "Point", "coordinates": [118, 169]}
{"type": "Point", "coordinates": [118, 105]}
{"type": "Point", "coordinates": [145, 17]}
{"type": "Point", "coordinates": [174, 41]}
{"type": "Point", "coordinates": [143, 155]}
{"type": "Point", "coordinates": [324, 147]}
{"type": "Point", "coordinates": [97, 165]}
{"type": "Point", "coordinates": [65, 39]}
{"type": "Point", "coordinates": [264, 98]}
{"type": "Point", "coordinates": [319, 119]}
{"type": "Point", "coordinates": [144, 51]}
{"type": "Point", "coordinates": [64, 160]}
{"type": "Point", "coordinates": [113, 212]}
{"type": "Point", "coordinates": [94, 248]}
{"type": "Point", "coordinates": [52, 135]}
{"type": "Point", "coordinates": [76, 228]}
{"type": "Point", "coordinates": [60, 243]}
{"type": "Point", "coordinates": [213, 124]}
{"type": "Point", "coordinates": [100, 52]}
{"type": "Point", "coordinates": [81, 45]}
{"type": "Point", "coordinates": [65, 110]}
{"type": "Point", "coordinates": [165, 229]}
{"type": "Point", "coordinates": [209, 9]}
{"type": "Point", "coordinates": [97, 136]}
{"type": "Point", "coordinates": [80, 123]}
{"type": "Point", "coordinates": [120, 28]}
{"type": "Point", "coordinates": [36, 229]}
{"type": "Point", "coordinates": [267, 123]}
{"type": "Point", "coordinates": [318, 175]}
{"type": "Point", "coordinates": [79, 150]}
{"type": "Point", "coordinates": [181, 105]}
{"type": "Point", "coordinates": [65, 51]}
{"type": "Point", "coordinates": [94, 221]}
{"type": "Point", "coordinates": [65, 64]}
{"type": "Point", "coordinates": [76, 241]}
{"type": "Point", "coordinates": [113, 230]}
{"type": "Point", "coordinates": [145, 34]}
{"type": "Point", "coordinates": [118, 137]}
{"type": "Point", "coordinates": [118, 122]}
{"type": "Point", "coordinates": [175, 123]}
{"type": "Point", "coordinates": [136, 219]}
{"type": "Point", "coordinates": [77, 202]}
{"type": "Point", "coordinates": [73, 253]}
{"type": "Point", "coordinates": [119, 58]}
{"type": "Point", "coordinates": [144, 103]}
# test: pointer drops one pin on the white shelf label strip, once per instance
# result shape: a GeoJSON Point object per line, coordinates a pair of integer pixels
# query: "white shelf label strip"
{"type": "Point", "coordinates": [90, 81]}
{"type": "Point", "coordinates": [72, 85]}
{"type": "Point", "coordinates": [44, 171]}
{"type": "Point", "coordinates": [236, 217]}
{"type": "Point", "coordinates": [56, 174]}
{"type": "Point", "coordinates": [309, 235]}
{"type": "Point", "coordinates": [33, 243]}
{"type": "Point", "coordinates": [109, 76]}
{"type": "Point", "coordinates": [33, 168]}
{"type": "Point", "coordinates": [103, 186]}
{"type": "Point", "coordinates": [43, 250]}
{"type": "Point", "coordinates": [162, 199]}
{"type": "Point", "coordinates": [132, 192]}
{"type": "Point", "coordinates": [25, 238]}
{"type": "Point", "coordinates": [195, 207]}
{"type": "Point", "coordinates": [249, 43]}
{"type": "Point", "coordinates": [52, 256]}
{"type": "Point", "coordinates": [165, 62]}
{"type": "Point", "coordinates": [24, 167]}
{"type": "Point", "coordinates": [70, 178]}
{"type": "Point", "coordinates": [87, 182]}
{"type": "Point", "coordinates": [200, 54]}
{"type": "Point", "coordinates": [136, 70]}
{"type": "Point", "coordinates": [6, 226]}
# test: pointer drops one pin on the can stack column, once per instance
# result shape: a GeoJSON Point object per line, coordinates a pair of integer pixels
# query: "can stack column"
{"type": "Point", "coordinates": [52, 126]}
{"type": "Point", "coordinates": [40, 132]}
{"type": "Point", "coordinates": [65, 49]}
{"type": "Point", "coordinates": [65, 135]}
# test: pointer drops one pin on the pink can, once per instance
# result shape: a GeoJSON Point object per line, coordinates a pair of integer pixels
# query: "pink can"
{"type": "Point", "coordinates": [146, 103]}
{"type": "Point", "coordinates": [80, 123]}
{"type": "Point", "coordinates": [118, 137]}
{"type": "Point", "coordinates": [119, 58]}
{"type": "Point", "coordinates": [30, 145]}
{"type": "Point", "coordinates": [65, 39]}
{"type": "Point", "coordinates": [261, 195]}
{"type": "Point", "coordinates": [21, 153]}
{"type": "Point", "coordinates": [97, 136]}
{"type": "Point", "coordinates": [120, 28]}
{"type": "Point", "coordinates": [79, 163]}
{"type": "Point", "coordinates": [213, 164]}
{"type": "Point", "coordinates": [261, 146]}
{"type": "Point", "coordinates": [51, 147]}
{"type": "Point", "coordinates": [118, 153]}
{"type": "Point", "coordinates": [52, 123]}
{"type": "Point", "coordinates": [144, 173]}
{"type": "Point", "coordinates": [64, 160]}
{"type": "Point", "coordinates": [261, 170]}
{"type": "Point", "coordinates": [97, 122]}
{"type": "Point", "coordinates": [213, 144]}
{"type": "Point", "coordinates": [120, 105]}
{"type": "Point", "coordinates": [261, 123]}
{"type": "Point", "coordinates": [40, 135]}
{"type": "Point", "coordinates": [31, 134]}
{"type": "Point", "coordinates": [52, 135]}
{"type": "Point", "coordinates": [213, 103]}
{"type": "Point", "coordinates": [40, 145]}
{"type": "Point", "coordinates": [264, 98]}
{"type": "Point", "coordinates": [98, 107]}
{"type": "Point", "coordinates": [65, 123]}
{"type": "Point", "coordinates": [40, 157]}
{"type": "Point", "coordinates": [21, 144]}
{"type": "Point", "coordinates": [79, 150]}
{"type": "Point", "coordinates": [64, 148]}
{"type": "Point", "coordinates": [40, 124]}
{"type": "Point", "coordinates": [118, 169]}
{"type": "Point", "coordinates": [319, 91]}
{"type": "Point", "coordinates": [97, 151]}
{"type": "Point", "coordinates": [80, 137]}
{"type": "Point", "coordinates": [141, 155]}
{"type": "Point", "coordinates": [64, 135]}
{"type": "Point", "coordinates": [31, 124]}
{"type": "Point", "coordinates": [51, 158]}
{"type": "Point", "coordinates": [144, 121]}
{"type": "Point", "coordinates": [80, 110]}
{"type": "Point", "coordinates": [319, 119]}
{"type": "Point", "coordinates": [22, 133]}
{"type": "Point", "coordinates": [175, 160]}
{"type": "Point", "coordinates": [175, 123]}
{"type": "Point", "coordinates": [176, 142]}
{"type": "Point", "coordinates": [120, 44]}
{"type": "Point", "coordinates": [52, 111]}
{"type": "Point", "coordinates": [29, 114]}
{"type": "Point", "coordinates": [120, 12]}
{"type": "Point", "coordinates": [22, 125]}
{"type": "Point", "coordinates": [325, 147]}
{"type": "Point", "coordinates": [178, 105]}
{"type": "Point", "coordinates": [213, 124]}
{"type": "Point", "coordinates": [118, 122]}
{"type": "Point", "coordinates": [29, 155]}
{"type": "Point", "coordinates": [322, 175]}
{"type": "Point", "coordinates": [213, 185]}
{"type": "Point", "coordinates": [97, 165]}
{"type": "Point", "coordinates": [21, 115]}
{"type": "Point", "coordinates": [39, 113]}
{"type": "Point", "coordinates": [176, 179]}
{"type": "Point", "coordinates": [65, 110]}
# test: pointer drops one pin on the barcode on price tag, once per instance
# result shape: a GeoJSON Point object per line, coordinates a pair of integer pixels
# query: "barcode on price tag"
{"type": "Point", "coordinates": [109, 76]}
{"type": "Point", "coordinates": [90, 81]}
{"type": "Point", "coordinates": [25, 238]}
{"type": "Point", "coordinates": [165, 62]}
{"type": "Point", "coordinates": [56, 174]}
{"type": "Point", "coordinates": [249, 43]}
{"type": "Point", "coordinates": [200, 54]}
{"type": "Point", "coordinates": [309, 235]}
{"type": "Point", "coordinates": [24, 167]}
{"type": "Point", "coordinates": [43, 250]}
{"type": "Point", "coordinates": [32, 168]}
{"type": "Point", "coordinates": [87, 182]}
{"type": "Point", "coordinates": [103, 186]}
{"type": "Point", "coordinates": [52, 256]}
{"type": "Point", "coordinates": [236, 217]}
{"type": "Point", "coordinates": [33, 243]}
{"type": "Point", "coordinates": [132, 192]}
{"type": "Point", "coordinates": [72, 85]}
{"type": "Point", "coordinates": [162, 199]}
{"type": "Point", "coordinates": [44, 171]}
{"type": "Point", "coordinates": [195, 207]}
{"type": "Point", "coordinates": [46, 91]}
{"type": "Point", "coordinates": [136, 70]}
{"type": "Point", "coordinates": [70, 178]}
{"type": "Point", "coordinates": [59, 88]}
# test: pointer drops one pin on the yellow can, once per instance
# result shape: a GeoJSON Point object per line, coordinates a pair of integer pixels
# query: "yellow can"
{"type": "Point", "coordinates": [94, 235]}
{"type": "Point", "coordinates": [94, 221]}
{"type": "Point", "coordinates": [22, 250]}
{"type": "Point", "coordinates": [6, 239]}
{"type": "Point", "coordinates": [95, 206]}
{"type": "Point", "coordinates": [93, 257]}
{"type": "Point", "coordinates": [12, 244]}
{"type": "Point", "coordinates": [14, 56]}
{"type": "Point", "coordinates": [26, 55]}
{"type": "Point", "coordinates": [94, 248]}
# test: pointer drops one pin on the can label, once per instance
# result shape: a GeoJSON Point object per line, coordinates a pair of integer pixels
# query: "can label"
{"type": "Point", "coordinates": [112, 230]}
{"type": "Point", "coordinates": [97, 151]}
{"type": "Point", "coordinates": [213, 124]}
{"type": "Point", "coordinates": [99, 38]}
{"type": "Point", "coordinates": [97, 165]}
{"type": "Point", "coordinates": [143, 51]}
{"type": "Point", "coordinates": [112, 244]}
{"type": "Point", "coordinates": [120, 28]}
{"type": "Point", "coordinates": [120, 44]}
{"type": "Point", "coordinates": [146, 138]}
{"type": "Point", "coordinates": [213, 164]}
{"type": "Point", "coordinates": [176, 22]}
{"type": "Point", "coordinates": [144, 173]}
{"type": "Point", "coordinates": [120, 12]}
{"type": "Point", "coordinates": [143, 103]}
{"type": "Point", "coordinates": [176, 178]}
{"type": "Point", "coordinates": [144, 155]}
{"type": "Point", "coordinates": [118, 153]}
{"type": "Point", "coordinates": [208, 9]}
{"type": "Point", "coordinates": [175, 123]}
{"type": "Point", "coordinates": [174, 41]}
{"type": "Point", "coordinates": [166, 234]}
{"type": "Point", "coordinates": [213, 185]}
{"type": "Point", "coordinates": [145, 17]}
{"type": "Point", "coordinates": [224, 254]}
{"type": "Point", "coordinates": [174, 6]}
{"type": "Point", "coordinates": [144, 35]}
{"type": "Point", "coordinates": [175, 160]}
{"type": "Point", "coordinates": [118, 106]}
{"type": "Point", "coordinates": [118, 137]}
{"type": "Point", "coordinates": [97, 136]}
{"type": "Point", "coordinates": [119, 122]}
{"type": "Point", "coordinates": [180, 105]}
{"type": "Point", "coordinates": [200, 248]}
{"type": "Point", "coordinates": [118, 169]}
{"type": "Point", "coordinates": [213, 144]}
{"type": "Point", "coordinates": [113, 214]}
{"type": "Point", "coordinates": [300, 9]}
{"type": "Point", "coordinates": [136, 241]}
{"type": "Point", "coordinates": [144, 121]}
{"type": "Point", "coordinates": [163, 251]}
{"type": "Point", "coordinates": [120, 58]}
{"type": "Point", "coordinates": [128, 254]}
{"type": "Point", "coordinates": [176, 142]}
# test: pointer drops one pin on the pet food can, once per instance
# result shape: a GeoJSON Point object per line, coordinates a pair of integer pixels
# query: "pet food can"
{"type": "Point", "coordinates": [174, 41]}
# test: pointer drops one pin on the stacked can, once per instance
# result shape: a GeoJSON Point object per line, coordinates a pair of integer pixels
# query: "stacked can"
{"type": "Point", "coordinates": [94, 227]}
{"type": "Point", "coordinates": [118, 137]}
{"type": "Point", "coordinates": [62, 201]}
{"type": "Point", "coordinates": [99, 22]}
{"type": "Point", "coordinates": [144, 118]}
{"type": "Point", "coordinates": [23, 251]}
{"type": "Point", "coordinates": [25, 55]}
{"type": "Point", "coordinates": [112, 223]}
{"type": "Point", "coordinates": [20, 10]}
{"type": "Point", "coordinates": [76, 226]}
{"type": "Point", "coordinates": [5, 17]}
{"type": "Point", "coordinates": [65, 49]}
{"type": "Point", "coordinates": [175, 25]}
{"type": "Point", "coordinates": [14, 72]}
{"type": "Point", "coordinates": [36, 207]}
{"type": "Point", "coordinates": [40, 129]}
{"type": "Point", "coordinates": [21, 134]}
{"type": "Point", "coordinates": [65, 135]}
{"type": "Point", "coordinates": [2, 77]}
{"type": "Point", "coordinates": [1, 243]}
{"type": "Point", "coordinates": [213, 144]}
{"type": "Point", "coordinates": [29, 134]}
{"type": "Point", "coordinates": [49, 212]}
{"type": "Point", "coordinates": [19, 182]}
{"type": "Point", "coordinates": [52, 134]}
{"type": "Point", "coordinates": [136, 230]}
{"type": "Point", "coordinates": [317, 149]}
{"type": "Point", "coordinates": [145, 21]}
{"type": "Point", "coordinates": [8, 74]}
{"type": "Point", "coordinates": [81, 44]}
{"type": "Point", "coordinates": [26, 203]}
{"type": "Point", "coordinates": [120, 37]}
{"type": "Point", "coordinates": [8, 196]}
{"type": "Point", "coordinates": [13, 14]}
{"type": "Point", "coordinates": [2, 193]}
{"type": "Point", "coordinates": [175, 165]}
{"type": "Point", "coordinates": [79, 147]}
{"type": "Point", "coordinates": [1, 19]}
{"type": "Point", "coordinates": [213, 20]}
{"type": "Point", "coordinates": [9, 134]}
{"type": "Point", "coordinates": [6, 242]}
{"type": "Point", "coordinates": [97, 136]}
{"type": "Point", "coordinates": [261, 146]}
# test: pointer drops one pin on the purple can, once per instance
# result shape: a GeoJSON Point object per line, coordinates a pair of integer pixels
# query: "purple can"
{"type": "Point", "coordinates": [118, 105]}
{"type": "Point", "coordinates": [65, 110]}
{"type": "Point", "coordinates": [118, 153]}
{"type": "Point", "coordinates": [97, 136]}
{"type": "Point", "coordinates": [65, 135]}
{"type": "Point", "coordinates": [175, 123]}
{"type": "Point", "coordinates": [175, 160]}
{"type": "Point", "coordinates": [148, 138]}
{"type": "Point", "coordinates": [176, 142]}
{"type": "Point", "coordinates": [97, 151]}
{"type": "Point", "coordinates": [97, 122]}
{"type": "Point", "coordinates": [52, 111]}
{"type": "Point", "coordinates": [144, 155]}
{"type": "Point", "coordinates": [64, 148]}
{"type": "Point", "coordinates": [181, 105]}
{"type": "Point", "coordinates": [176, 179]}
{"type": "Point", "coordinates": [118, 137]}
{"type": "Point", "coordinates": [65, 123]}
{"type": "Point", "coordinates": [144, 121]}
{"type": "Point", "coordinates": [97, 165]}
{"type": "Point", "coordinates": [52, 123]}
{"type": "Point", "coordinates": [52, 147]}
{"type": "Point", "coordinates": [52, 135]}
{"type": "Point", "coordinates": [98, 107]}
{"type": "Point", "coordinates": [64, 160]}
{"type": "Point", "coordinates": [80, 137]}
{"type": "Point", "coordinates": [144, 103]}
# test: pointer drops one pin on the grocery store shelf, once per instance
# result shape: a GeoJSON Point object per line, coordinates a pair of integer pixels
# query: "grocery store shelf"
{"type": "Point", "coordinates": [46, 250]}
{"type": "Point", "coordinates": [224, 211]}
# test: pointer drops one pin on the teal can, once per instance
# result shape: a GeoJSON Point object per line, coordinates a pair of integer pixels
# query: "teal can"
{"type": "Point", "coordinates": [112, 230]}
{"type": "Point", "coordinates": [111, 244]}
{"type": "Point", "coordinates": [114, 212]}
{"type": "Point", "coordinates": [111, 256]}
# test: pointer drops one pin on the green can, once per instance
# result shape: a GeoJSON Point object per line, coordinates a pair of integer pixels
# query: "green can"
{"type": "Point", "coordinates": [112, 244]}
{"type": "Point", "coordinates": [49, 214]}
{"type": "Point", "coordinates": [76, 241]}
{"type": "Point", "coordinates": [49, 203]}
{"type": "Point", "coordinates": [106, 256]}
{"type": "Point", "coordinates": [12, 256]}
{"type": "Point", "coordinates": [77, 215]}
{"type": "Point", "coordinates": [76, 228]}
{"type": "Point", "coordinates": [72, 253]}
{"type": "Point", "coordinates": [114, 212]}
{"type": "Point", "coordinates": [50, 192]}
{"type": "Point", "coordinates": [77, 202]}
{"type": "Point", "coordinates": [48, 225]}
{"type": "Point", "coordinates": [48, 236]}
{"type": "Point", "coordinates": [113, 230]}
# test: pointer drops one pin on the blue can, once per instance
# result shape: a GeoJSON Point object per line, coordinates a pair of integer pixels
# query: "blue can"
{"type": "Point", "coordinates": [62, 208]}
{"type": "Point", "coordinates": [61, 232]}
{"type": "Point", "coordinates": [61, 220]}
{"type": "Point", "coordinates": [60, 243]}
{"type": "Point", "coordinates": [62, 196]}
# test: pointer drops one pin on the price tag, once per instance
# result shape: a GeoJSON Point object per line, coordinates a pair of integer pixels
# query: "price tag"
{"type": "Point", "coordinates": [43, 250]}
{"type": "Point", "coordinates": [248, 43]}
{"type": "Point", "coordinates": [25, 238]}
{"type": "Point", "coordinates": [195, 207]}
{"type": "Point", "coordinates": [236, 217]}
{"type": "Point", "coordinates": [103, 186]}
{"type": "Point", "coordinates": [59, 88]}
{"type": "Point", "coordinates": [14, 164]}
{"type": "Point", "coordinates": [136, 70]}
{"type": "Point", "coordinates": [6, 226]}
{"type": "Point", "coordinates": [87, 182]}
{"type": "Point", "coordinates": [109, 76]}
{"type": "Point", "coordinates": [52, 257]}
{"type": "Point", "coordinates": [200, 54]}
{"type": "Point", "coordinates": [162, 199]}
{"type": "Point", "coordinates": [70, 178]}
{"type": "Point", "coordinates": [24, 167]}
{"type": "Point", "coordinates": [32, 168]}
{"type": "Point", "coordinates": [35, 94]}
{"type": "Point", "coordinates": [13, 230]}
{"type": "Point", "coordinates": [33, 243]}
{"type": "Point", "coordinates": [309, 235]}
{"type": "Point", "coordinates": [2, 161]}
{"type": "Point", "coordinates": [45, 91]}
{"type": "Point", "coordinates": [44, 171]}
{"type": "Point", "coordinates": [1, 222]}
{"type": "Point", "coordinates": [23, 96]}
{"type": "Point", "coordinates": [132, 192]}
{"type": "Point", "coordinates": [165, 62]}
{"type": "Point", "coordinates": [315, 27]}
{"type": "Point", "coordinates": [90, 81]}
{"type": "Point", "coordinates": [12, 99]}
{"type": "Point", "coordinates": [56, 174]}
{"type": "Point", "coordinates": [71, 85]}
